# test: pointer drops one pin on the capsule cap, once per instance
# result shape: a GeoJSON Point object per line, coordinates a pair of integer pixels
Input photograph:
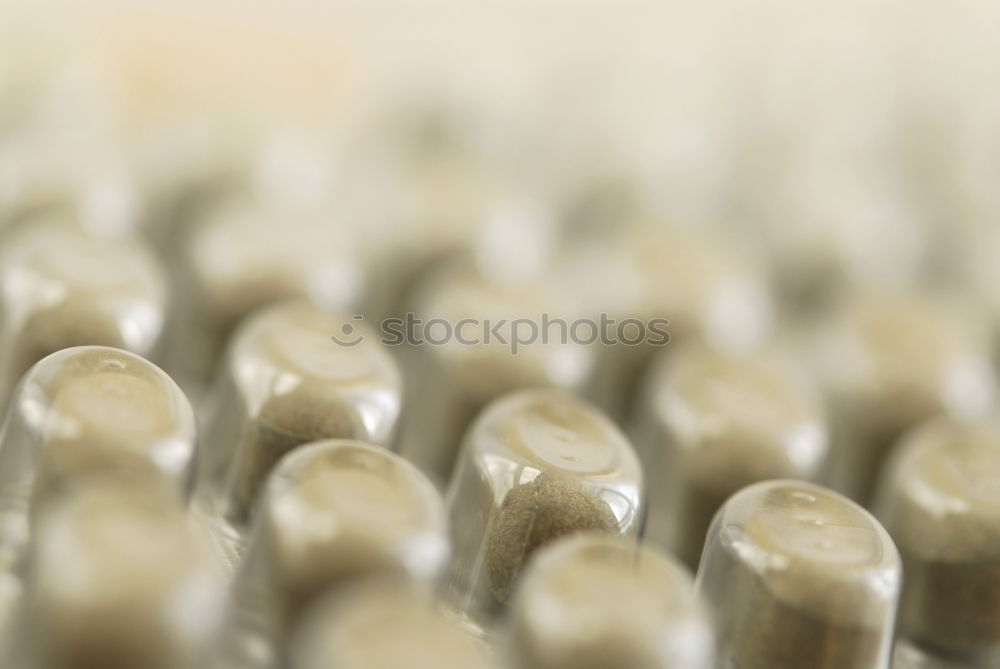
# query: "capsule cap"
{"type": "Point", "coordinates": [536, 465]}
{"type": "Point", "coordinates": [800, 576]}
{"type": "Point", "coordinates": [288, 382]}
{"type": "Point", "coordinates": [119, 576]}
{"type": "Point", "coordinates": [336, 511]}
{"type": "Point", "coordinates": [940, 501]}
{"type": "Point", "coordinates": [66, 287]}
{"type": "Point", "coordinates": [714, 423]}
{"type": "Point", "coordinates": [604, 601]}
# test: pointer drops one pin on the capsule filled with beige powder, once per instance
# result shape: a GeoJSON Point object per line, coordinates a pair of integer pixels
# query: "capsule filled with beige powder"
{"type": "Point", "coordinates": [293, 374]}
{"type": "Point", "coordinates": [335, 512]}
{"type": "Point", "coordinates": [467, 359]}
{"type": "Point", "coordinates": [64, 286]}
{"type": "Point", "coordinates": [661, 285]}
{"type": "Point", "coordinates": [117, 576]}
{"type": "Point", "coordinates": [889, 362]}
{"type": "Point", "coordinates": [712, 423]}
{"type": "Point", "coordinates": [388, 625]}
{"type": "Point", "coordinates": [593, 602]}
{"type": "Point", "coordinates": [939, 500]}
{"type": "Point", "coordinates": [535, 466]}
{"type": "Point", "coordinates": [800, 576]}
{"type": "Point", "coordinates": [87, 413]}
{"type": "Point", "coordinates": [244, 253]}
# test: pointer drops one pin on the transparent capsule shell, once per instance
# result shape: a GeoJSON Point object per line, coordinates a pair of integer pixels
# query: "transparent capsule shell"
{"type": "Point", "coordinates": [469, 358]}
{"type": "Point", "coordinates": [386, 624]}
{"type": "Point", "coordinates": [536, 465]}
{"type": "Point", "coordinates": [662, 286]}
{"type": "Point", "coordinates": [64, 286]}
{"type": "Point", "coordinates": [712, 423]}
{"type": "Point", "coordinates": [243, 254]}
{"type": "Point", "coordinates": [335, 512]}
{"type": "Point", "coordinates": [800, 576]}
{"type": "Point", "coordinates": [118, 576]}
{"type": "Point", "coordinates": [91, 412]}
{"type": "Point", "coordinates": [293, 374]}
{"type": "Point", "coordinates": [939, 501]}
{"type": "Point", "coordinates": [889, 362]}
{"type": "Point", "coordinates": [594, 601]}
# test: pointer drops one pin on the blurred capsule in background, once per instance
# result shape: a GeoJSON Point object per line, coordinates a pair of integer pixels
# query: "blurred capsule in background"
{"type": "Point", "coordinates": [117, 576]}
{"type": "Point", "coordinates": [63, 286]}
{"type": "Point", "coordinates": [833, 227]}
{"type": "Point", "coordinates": [384, 625]}
{"type": "Point", "coordinates": [536, 465]}
{"type": "Point", "coordinates": [471, 352]}
{"type": "Point", "coordinates": [939, 499]}
{"type": "Point", "coordinates": [712, 423]}
{"type": "Point", "coordinates": [419, 185]}
{"type": "Point", "coordinates": [293, 374]}
{"type": "Point", "coordinates": [800, 576]}
{"type": "Point", "coordinates": [63, 154]}
{"type": "Point", "coordinates": [245, 253]}
{"type": "Point", "coordinates": [334, 512]}
{"type": "Point", "coordinates": [602, 602]}
{"type": "Point", "coordinates": [697, 285]}
{"type": "Point", "coordinates": [86, 414]}
{"type": "Point", "coordinates": [887, 363]}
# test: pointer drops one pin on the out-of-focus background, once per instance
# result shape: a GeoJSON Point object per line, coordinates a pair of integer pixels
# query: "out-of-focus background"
{"type": "Point", "coordinates": [877, 115]}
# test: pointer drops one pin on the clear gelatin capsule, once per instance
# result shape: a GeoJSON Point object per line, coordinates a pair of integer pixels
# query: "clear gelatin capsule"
{"type": "Point", "coordinates": [940, 500]}
{"type": "Point", "coordinates": [384, 625]}
{"type": "Point", "coordinates": [85, 413]}
{"type": "Point", "coordinates": [535, 466]}
{"type": "Point", "coordinates": [293, 374]}
{"type": "Point", "coordinates": [663, 285]}
{"type": "Point", "coordinates": [594, 602]}
{"type": "Point", "coordinates": [63, 286]}
{"type": "Point", "coordinates": [243, 254]}
{"type": "Point", "coordinates": [117, 576]}
{"type": "Point", "coordinates": [334, 512]}
{"type": "Point", "coordinates": [888, 363]}
{"type": "Point", "coordinates": [800, 576]}
{"type": "Point", "coordinates": [712, 423]}
{"type": "Point", "coordinates": [468, 358]}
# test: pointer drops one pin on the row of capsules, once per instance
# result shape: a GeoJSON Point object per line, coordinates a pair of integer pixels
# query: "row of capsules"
{"type": "Point", "coordinates": [535, 466]}
{"type": "Point", "coordinates": [798, 575]}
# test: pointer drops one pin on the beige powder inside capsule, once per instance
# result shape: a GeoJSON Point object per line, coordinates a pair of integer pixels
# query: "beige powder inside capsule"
{"type": "Point", "coordinates": [533, 514]}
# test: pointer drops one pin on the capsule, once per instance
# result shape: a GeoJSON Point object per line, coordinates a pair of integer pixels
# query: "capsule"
{"type": "Point", "coordinates": [334, 512]}
{"type": "Point", "coordinates": [536, 465]}
{"type": "Point", "coordinates": [66, 287]}
{"type": "Point", "coordinates": [469, 358]}
{"type": "Point", "coordinates": [940, 502]}
{"type": "Point", "coordinates": [118, 577]}
{"type": "Point", "coordinates": [86, 413]}
{"type": "Point", "coordinates": [422, 186]}
{"type": "Point", "coordinates": [388, 625]}
{"type": "Point", "coordinates": [713, 423]}
{"type": "Point", "coordinates": [593, 602]}
{"type": "Point", "coordinates": [658, 286]}
{"type": "Point", "coordinates": [242, 255]}
{"type": "Point", "coordinates": [833, 226]}
{"type": "Point", "coordinates": [889, 362]}
{"type": "Point", "coordinates": [293, 374]}
{"type": "Point", "coordinates": [800, 576]}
